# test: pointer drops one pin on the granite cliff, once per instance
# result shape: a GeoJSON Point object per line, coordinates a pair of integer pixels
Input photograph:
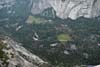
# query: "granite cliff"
{"type": "Point", "coordinates": [69, 8]}
{"type": "Point", "coordinates": [61, 8]}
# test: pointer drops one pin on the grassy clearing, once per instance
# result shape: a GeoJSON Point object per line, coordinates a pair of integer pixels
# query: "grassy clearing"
{"type": "Point", "coordinates": [35, 20]}
{"type": "Point", "coordinates": [64, 37]}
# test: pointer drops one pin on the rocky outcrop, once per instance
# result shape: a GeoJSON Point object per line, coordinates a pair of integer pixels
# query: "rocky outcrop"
{"type": "Point", "coordinates": [18, 56]}
{"type": "Point", "coordinates": [69, 8]}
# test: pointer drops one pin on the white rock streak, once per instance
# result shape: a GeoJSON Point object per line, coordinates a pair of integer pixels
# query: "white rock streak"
{"type": "Point", "coordinates": [97, 66]}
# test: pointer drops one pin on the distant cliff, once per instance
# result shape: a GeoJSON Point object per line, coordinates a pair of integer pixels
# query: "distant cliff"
{"type": "Point", "coordinates": [69, 8]}
{"type": "Point", "coordinates": [61, 8]}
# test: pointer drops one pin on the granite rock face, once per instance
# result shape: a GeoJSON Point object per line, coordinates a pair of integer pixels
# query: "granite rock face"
{"type": "Point", "coordinates": [18, 56]}
{"type": "Point", "coordinates": [69, 8]}
{"type": "Point", "coordinates": [63, 8]}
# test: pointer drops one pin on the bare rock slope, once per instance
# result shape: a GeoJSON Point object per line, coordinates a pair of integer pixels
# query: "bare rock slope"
{"type": "Point", "coordinates": [18, 56]}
